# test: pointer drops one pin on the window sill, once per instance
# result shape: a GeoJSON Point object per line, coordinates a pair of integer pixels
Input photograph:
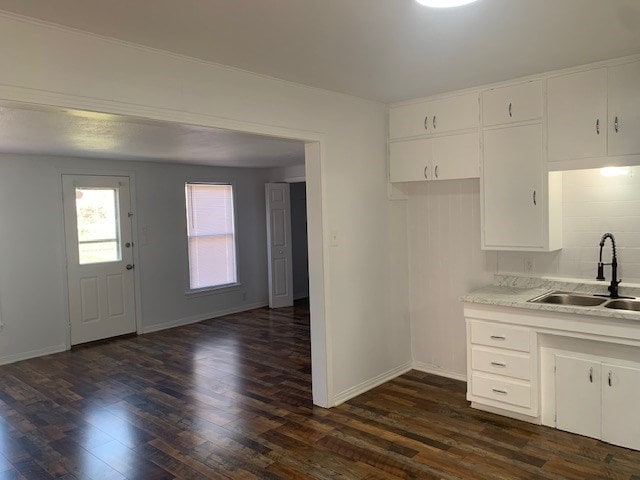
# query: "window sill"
{"type": "Point", "coordinates": [221, 289]}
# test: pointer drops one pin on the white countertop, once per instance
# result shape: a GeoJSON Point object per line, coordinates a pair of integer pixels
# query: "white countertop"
{"type": "Point", "coordinates": [515, 291]}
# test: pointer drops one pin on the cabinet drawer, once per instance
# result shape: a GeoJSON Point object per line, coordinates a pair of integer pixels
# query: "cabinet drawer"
{"type": "Point", "coordinates": [516, 103]}
{"type": "Point", "coordinates": [501, 363]}
{"type": "Point", "coordinates": [502, 336]}
{"type": "Point", "coordinates": [501, 390]}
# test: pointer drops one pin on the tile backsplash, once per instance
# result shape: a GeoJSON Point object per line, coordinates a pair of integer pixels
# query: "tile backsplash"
{"type": "Point", "coordinates": [592, 204]}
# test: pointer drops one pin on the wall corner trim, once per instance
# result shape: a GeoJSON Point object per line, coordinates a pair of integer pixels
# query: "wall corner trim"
{"type": "Point", "coordinates": [441, 372]}
{"type": "Point", "coordinates": [371, 383]}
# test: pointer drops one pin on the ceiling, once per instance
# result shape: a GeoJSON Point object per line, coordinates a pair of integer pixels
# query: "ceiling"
{"type": "Point", "coordinates": [39, 130]}
{"type": "Point", "coordinates": [386, 50]}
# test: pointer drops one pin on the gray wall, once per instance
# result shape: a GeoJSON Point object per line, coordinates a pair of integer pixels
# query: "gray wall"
{"type": "Point", "coordinates": [298, 194]}
{"type": "Point", "coordinates": [32, 250]}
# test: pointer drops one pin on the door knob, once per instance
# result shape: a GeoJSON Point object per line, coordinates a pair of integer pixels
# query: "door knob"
{"type": "Point", "coordinates": [130, 267]}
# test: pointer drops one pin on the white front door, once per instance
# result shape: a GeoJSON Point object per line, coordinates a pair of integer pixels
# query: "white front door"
{"type": "Point", "coordinates": [99, 256]}
{"type": "Point", "coordinates": [279, 245]}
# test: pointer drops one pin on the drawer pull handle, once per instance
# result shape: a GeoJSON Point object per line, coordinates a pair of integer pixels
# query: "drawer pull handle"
{"type": "Point", "coordinates": [498, 337]}
{"type": "Point", "coordinates": [426, 122]}
{"type": "Point", "coordinates": [501, 392]}
{"type": "Point", "coordinates": [497, 364]}
{"type": "Point", "coordinates": [591, 374]}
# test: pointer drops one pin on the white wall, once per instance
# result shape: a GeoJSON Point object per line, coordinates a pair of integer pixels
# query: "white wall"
{"type": "Point", "coordinates": [445, 262]}
{"type": "Point", "coordinates": [365, 281]}
{"type": "Point", "coordinates": [591, 205]}
{"type": "Point", "coordinates": [32, 242]}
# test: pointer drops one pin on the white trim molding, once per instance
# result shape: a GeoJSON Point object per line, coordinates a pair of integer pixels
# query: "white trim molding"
{"type": "Point", "coordinates": [367, 385]}
{"type": "Point", "coordinates": [31, 354]}
{"type": "Point", "coordinates": [441, 372]}
{"type": "Point", "coordinates": [204, 316]}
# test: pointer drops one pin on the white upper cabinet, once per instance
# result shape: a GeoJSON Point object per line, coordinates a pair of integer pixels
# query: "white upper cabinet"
{"type": "Point", "coordinates": [456, 156]}
{"type": "Point", "coordinates": [577, 115]}
{"type": "Point", "coordinates": [512, 188]}
{"type": "Point", "coordinates": [409, 161]}
{"type": "Point", "coordinates": [624, 109]}
{"type": "Point", "coordinates": [515, 103]}
{"type": "Point", "coordinates": [460, 112]}
{"type": "Point", "coordinates": [440, 158]}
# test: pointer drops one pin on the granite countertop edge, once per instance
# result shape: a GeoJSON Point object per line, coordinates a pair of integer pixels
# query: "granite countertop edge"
{"type": "Point", "coordinates": [516, 291]}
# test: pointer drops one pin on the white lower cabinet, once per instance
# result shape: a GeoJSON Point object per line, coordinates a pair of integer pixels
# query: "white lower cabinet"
{"type": "Point", "coordinates": [620, 409]}
{"type": "Point", "coordinates": [598, 399]}
{"type": "Point", "coordinates": [581, 375]}
{"type": "Point", "coordinates": [501, 367]}
{"type": "Point", "coordinates": [578, 393]}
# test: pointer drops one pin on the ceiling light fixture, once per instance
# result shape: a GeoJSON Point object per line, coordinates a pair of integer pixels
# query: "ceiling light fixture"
{"type": "Point", "coordinates": [444, 3]}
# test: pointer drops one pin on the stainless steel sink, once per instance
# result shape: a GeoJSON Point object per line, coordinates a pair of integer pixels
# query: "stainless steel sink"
{"type": "Point", "coordinates": [633, 305]}
{"type": "Point", "coordinates": [563, 298]}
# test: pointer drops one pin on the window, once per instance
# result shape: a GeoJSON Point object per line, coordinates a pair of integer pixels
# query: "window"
{"type": "Point", "coordinates": [98, 225]}
{"type": "Point", "coordinates": [211, 235]}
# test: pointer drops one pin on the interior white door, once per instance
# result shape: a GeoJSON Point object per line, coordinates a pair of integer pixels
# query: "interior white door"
{"type": "Point", "coordinates": [578, 406]}
{"type": "Point", "coordinates": [279, 252]}
{"type": "Point", "coordinates": [99, 256]}
{"type": "Point", "coordinates": [620, 413]}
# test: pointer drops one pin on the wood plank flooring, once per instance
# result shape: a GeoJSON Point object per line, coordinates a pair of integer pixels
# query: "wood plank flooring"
{"type": "Point", "coordinates": [230, 398]}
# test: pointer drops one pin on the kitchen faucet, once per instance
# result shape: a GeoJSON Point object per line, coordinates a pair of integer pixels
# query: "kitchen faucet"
{"type": "Point", "coordinates": [613, 288]}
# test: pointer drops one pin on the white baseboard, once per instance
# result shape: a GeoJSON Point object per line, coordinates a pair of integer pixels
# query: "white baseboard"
{"type": "Point", "coordinates": [436, 370]}
{"type": "Point", "coordinates": [204, 316]}
{"type": "Point", "coordinates": [371, 383]}
{"type": "Point", "coordinates": [31, 354]}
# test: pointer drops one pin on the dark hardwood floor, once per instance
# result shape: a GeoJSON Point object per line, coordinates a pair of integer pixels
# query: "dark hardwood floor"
{"type": "Point", "coordinates": [230, 398]}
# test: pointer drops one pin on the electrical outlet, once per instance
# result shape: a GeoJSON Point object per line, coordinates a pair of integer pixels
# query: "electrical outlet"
{"type": "Point", "coordinates": [528, 265]}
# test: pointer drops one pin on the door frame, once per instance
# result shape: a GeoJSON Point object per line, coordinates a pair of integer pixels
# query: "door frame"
{"type": "Point", "coordinates": [134, 238]}
{"type": "Point", "coordinates": [315, 174]}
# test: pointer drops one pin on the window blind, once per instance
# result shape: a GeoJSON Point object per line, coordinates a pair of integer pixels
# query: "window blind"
{"type": "Point", "coordinates": [211, 235]}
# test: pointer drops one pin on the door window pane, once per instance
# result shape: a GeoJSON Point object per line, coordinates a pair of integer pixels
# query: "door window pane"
{"type": "Point", "coordinates": [98, 225]}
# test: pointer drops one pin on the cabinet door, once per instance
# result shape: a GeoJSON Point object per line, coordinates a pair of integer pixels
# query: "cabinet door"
{"type": "Point", "coordinates": [624, 109]}
{"type": "Point", "coordinates": [620, 409]}
{"type": "Point", "coordinates": [409, 160]}
{"type": "Point", "coordinates": [578, 390]}
{"type": "Point", "coordinates": [410, 120]}
{"type": "Point", "coordinates": [461, 112]}
{"type": "Point", "coordinates": [516, 103]}
{"type": "Point", "coordinates": [512, 178]}
{"type": "Point", "coordinates": [456, 156]}
{"type": "Point", "coordinates": [577, 112]}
